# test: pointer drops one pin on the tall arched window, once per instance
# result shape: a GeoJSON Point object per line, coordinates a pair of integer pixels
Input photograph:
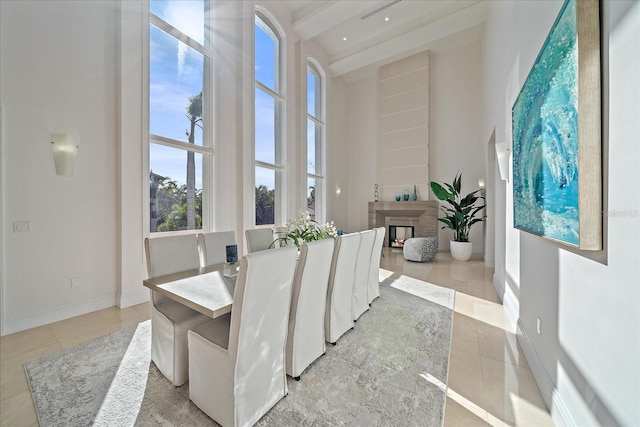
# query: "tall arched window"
{"type": "Point", "coordinates": [268, 120]}
{"type": "Point", "coordinates": [315, 143]}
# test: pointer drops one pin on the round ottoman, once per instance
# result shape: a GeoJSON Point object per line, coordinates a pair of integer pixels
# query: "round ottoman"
{"type": "Point", "coordinates": [420, 249]}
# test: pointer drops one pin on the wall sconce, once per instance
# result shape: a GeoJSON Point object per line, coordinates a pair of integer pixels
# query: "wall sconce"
{"type": "Point", "coordinates": [338, 192]}
{"type": "Point", "coordinates": [503, 152]}
{"type": "Point", "coordinates": [65, 151]}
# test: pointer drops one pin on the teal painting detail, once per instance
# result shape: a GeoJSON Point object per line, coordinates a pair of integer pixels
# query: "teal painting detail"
{"type": "Point", "coordinates": [545, 138]}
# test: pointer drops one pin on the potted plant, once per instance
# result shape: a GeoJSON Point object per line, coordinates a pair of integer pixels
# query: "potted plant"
{"type": "Point", "coordinates": [459, 214]}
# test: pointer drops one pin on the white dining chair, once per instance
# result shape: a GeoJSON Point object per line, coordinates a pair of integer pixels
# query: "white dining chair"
{"type": "Point", "coordinates": [305, 340]}
{"type": "Point", "coordinates": [212, 247]}
{"type": "Point", "coordinates": [259, 239]}
{"type": "Point", "coordinates": [338, 317]}
{"type": "Point", "coordinates": [373, 291]}
{"type": "Point", "coordinates": [236, 361]}
{"type": "Point", "coordinates": [171, 320]}
{"type": "Point", "coordinates": [360, 302]}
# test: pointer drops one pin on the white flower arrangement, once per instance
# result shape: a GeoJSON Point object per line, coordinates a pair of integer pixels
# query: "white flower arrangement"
{"type": "Point", "coordinates": [304, 229]}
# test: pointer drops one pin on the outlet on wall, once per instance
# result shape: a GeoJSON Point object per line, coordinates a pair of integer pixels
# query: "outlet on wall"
{"type": "Point", "coordinates": [74, 283]}
{"type": "Point", "coordinates": [21, 226]}
{"type": "Point", "coordinates": [538, 325]}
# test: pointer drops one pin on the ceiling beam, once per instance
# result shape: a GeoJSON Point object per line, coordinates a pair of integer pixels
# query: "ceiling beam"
{"type": "Point", "coordinates": [323, 19]}
{"type": "Point", "coordinates": [444, 27]}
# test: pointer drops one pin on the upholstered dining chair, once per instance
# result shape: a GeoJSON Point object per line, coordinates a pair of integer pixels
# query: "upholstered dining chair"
{"type": "Point", "coordinates": [259, 239]}
{"type": "Point", "coordinates": [212, 246]}
{"type": "Point", "coordinates": [305, 340]}
{"type": "Point", "coordinates": [236, 361]}
{"type": "Point", "coordinates": [360, 303]}
{"type": "Point", "coordinates": [338, 317]}
{"type": "Point", "coordinates": [373, 291]}
{"type": "Point", "coordinates": [171, 320]}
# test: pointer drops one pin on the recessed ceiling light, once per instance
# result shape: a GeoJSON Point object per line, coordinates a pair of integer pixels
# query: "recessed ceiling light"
{"type": "Point", "coordinates": [344, 39]}
{"type": "Point", "coordinates": [386, 19]}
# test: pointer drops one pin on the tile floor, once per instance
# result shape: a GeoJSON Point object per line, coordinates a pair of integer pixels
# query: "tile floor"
{"type": "Point", "coordinates": [490, 382]}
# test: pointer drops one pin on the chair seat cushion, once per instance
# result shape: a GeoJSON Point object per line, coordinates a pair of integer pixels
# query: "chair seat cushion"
{"type": "Point", "coordinates": [420, 249]}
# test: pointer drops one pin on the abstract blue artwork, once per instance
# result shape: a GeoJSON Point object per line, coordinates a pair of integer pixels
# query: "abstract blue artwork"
{"type": "Point", "coordinates": [547, 141]}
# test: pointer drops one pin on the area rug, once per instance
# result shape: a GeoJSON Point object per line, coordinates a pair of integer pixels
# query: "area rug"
{"type": "Point", "coordinates": [391, 369]}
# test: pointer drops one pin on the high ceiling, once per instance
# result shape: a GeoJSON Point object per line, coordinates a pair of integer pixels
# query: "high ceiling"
{"type": "Point", "coordinates": [379, 31]}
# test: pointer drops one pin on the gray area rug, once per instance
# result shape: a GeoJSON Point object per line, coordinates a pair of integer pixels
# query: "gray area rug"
{"type": "Point", "coordinates": [391, 369]}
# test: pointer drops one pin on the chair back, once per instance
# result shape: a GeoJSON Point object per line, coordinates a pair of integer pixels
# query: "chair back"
{"type": "Point", "coordinates": [374, 272]}
{"type": "Point", "coordinates": [212, 246]}
{"type": "Point", "coordinates": [305, 340]}
{"type": "Point", "coordinates": [259, 318]}
{"type": "Point", "coordinates": [338, 317]}
{"type": "Point", "coordinates": [360, 302]}
{"type": "Point", "coordinates": [259, 239]}
{"type": "Point", "coordinates": [170, 254]}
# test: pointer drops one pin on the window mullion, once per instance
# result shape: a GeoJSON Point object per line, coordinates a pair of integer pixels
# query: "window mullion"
{"type": "Point", "coordinates": [174, 32]}
{"type": "Point", "coordinates": [269, 166]}
{"type": "Point", "coordinates": [316, 121]}
{"type": "Point", "coordinates": [268, 91]}
{"type": "Point", "coordinates": [157, 139]}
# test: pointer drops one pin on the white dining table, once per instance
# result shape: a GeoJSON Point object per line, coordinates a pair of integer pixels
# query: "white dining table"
{"type": "Point", "coordinates": [206, 290]}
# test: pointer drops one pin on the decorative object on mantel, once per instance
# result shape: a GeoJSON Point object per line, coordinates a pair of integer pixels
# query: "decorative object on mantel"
{"type": "Point", "coordinates": [406, 195]}
{"type": "Point", "coordinates": [460, 215]}
{"type": "Point", "coordinates": [415, 193]}
{"type": "Point", "coordinates": [375, 193]}
{"type": "Point", "coordinates": [398, 197]}
{"type": "Point", "coordinates": [304, 229]}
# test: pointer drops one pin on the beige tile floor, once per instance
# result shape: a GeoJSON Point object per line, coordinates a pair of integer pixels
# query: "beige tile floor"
{"type": "Point", "coordinates": [490, 382]}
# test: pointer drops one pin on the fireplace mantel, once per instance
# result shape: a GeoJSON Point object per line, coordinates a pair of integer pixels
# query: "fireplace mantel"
{"type": "Point", "coordinates": [423, 216]}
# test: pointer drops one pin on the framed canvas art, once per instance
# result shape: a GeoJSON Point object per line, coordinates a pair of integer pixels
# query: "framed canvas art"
{"type": "Point", "coordinates": [557, 166]}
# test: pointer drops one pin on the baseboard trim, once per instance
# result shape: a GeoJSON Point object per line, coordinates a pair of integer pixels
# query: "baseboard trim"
{"type": "Point", "coordinates": [559, 411]}
{"type": "Point", "coordinates": [509, 300]}
{"type": "Point", "coordinates": [499, 286]}
{"type": "Point", "coordinates": [133, 298]}
{"type": "Point", "coordinates": [60, 313]}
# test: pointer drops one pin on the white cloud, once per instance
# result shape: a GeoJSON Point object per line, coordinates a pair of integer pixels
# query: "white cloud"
{"type": "Point", "coordinates": [182, 53]}
{"type": "Point", "coordinates": [188, 17]}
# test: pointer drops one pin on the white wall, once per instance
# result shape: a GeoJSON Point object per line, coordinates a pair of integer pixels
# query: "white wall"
{"type": "Point", "coordinates": [337, 154]}
{"type": "Point", "coordinates": [361, 149]}
{"type": "Point", "coordinates": [455, 125]}
{"type": "Point", "coordinates": [58, 74]}
{"type": "Point", "coordinates": [586, 358]}
{"type": "Point", "coordinates": [403, 126]}
{"type": "Point", "coordinates": [455, 116]}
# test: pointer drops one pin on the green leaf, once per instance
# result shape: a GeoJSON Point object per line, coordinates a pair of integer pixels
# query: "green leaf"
{"type": "Point", "coordinates": [440, 191]}
{"type": "Point", "coordinates": [457, 182]}
{"type": "Point", "coordinates": [447, 222]}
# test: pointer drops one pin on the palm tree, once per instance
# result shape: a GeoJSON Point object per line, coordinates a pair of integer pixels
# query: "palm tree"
{"type": "Point", "coordinates": [194, 114]}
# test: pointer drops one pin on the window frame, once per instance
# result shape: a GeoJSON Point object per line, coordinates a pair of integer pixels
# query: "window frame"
{"type": "Point", "coordinates": [320, 140]}
{"type": "Point", "coordinates": [268, 26]}
{"type": "Point", "coordinates": [206, 150]}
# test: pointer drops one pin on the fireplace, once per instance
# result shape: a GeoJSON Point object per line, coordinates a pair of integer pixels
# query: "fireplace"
{"type": "Point", "coordinates": [421, 216]}
{"type": "Point", "coordinates": [398, 234]}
